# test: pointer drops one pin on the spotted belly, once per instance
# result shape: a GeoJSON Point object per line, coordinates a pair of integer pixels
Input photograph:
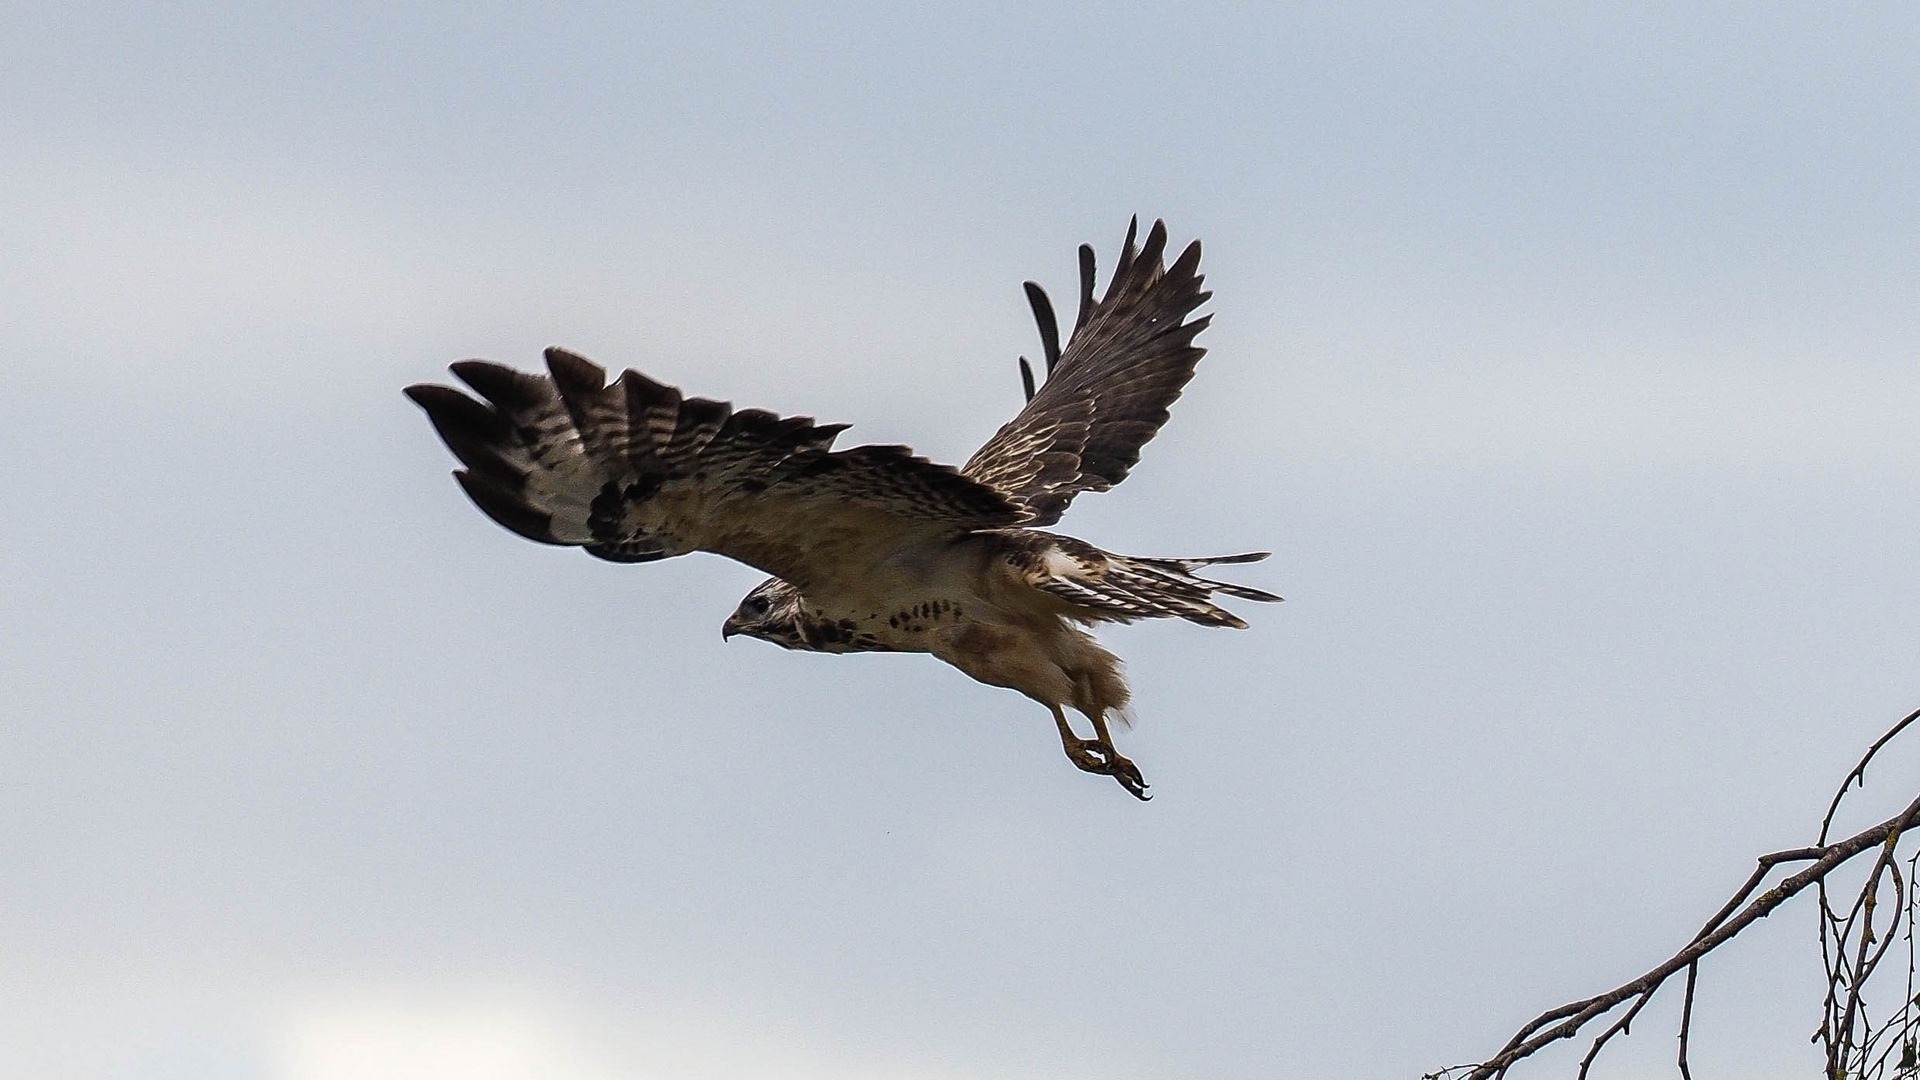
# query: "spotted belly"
{"type": "Point", "coordinates": [908, 629]}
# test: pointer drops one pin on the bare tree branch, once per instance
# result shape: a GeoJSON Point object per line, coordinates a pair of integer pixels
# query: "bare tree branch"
{"type": "Point", "coordinates": [1686, 1021]}
{"type": "Point", "coordinates": [1852, 944]}
{"type": "Point", "coordinates": [1859, 772]}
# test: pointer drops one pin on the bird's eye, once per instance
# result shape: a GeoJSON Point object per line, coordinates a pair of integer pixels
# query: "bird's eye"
{"type": "Point", "coordinates": [756, 606]}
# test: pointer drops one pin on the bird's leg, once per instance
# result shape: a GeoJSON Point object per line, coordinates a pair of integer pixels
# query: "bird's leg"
{"type": "Point", "coordinates": [1100, 727]}
{"type": "Point", "coordinates": [1121, 769]}
{"type": "Point", "coordinates": [1097, 755]}
{"type": "Point", "coordinates": [1089, 755]}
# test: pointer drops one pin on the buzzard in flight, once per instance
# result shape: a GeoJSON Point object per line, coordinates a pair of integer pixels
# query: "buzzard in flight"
{"type": "Point", "coordinates": [874, 548]}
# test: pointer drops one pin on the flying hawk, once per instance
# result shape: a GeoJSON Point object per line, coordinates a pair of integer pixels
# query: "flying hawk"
{"type": "Point", "coordinates": [874, 548]}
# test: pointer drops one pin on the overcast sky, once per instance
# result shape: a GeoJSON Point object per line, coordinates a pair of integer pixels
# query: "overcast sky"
{"type": "Point", "coordinates": [1566, 355]}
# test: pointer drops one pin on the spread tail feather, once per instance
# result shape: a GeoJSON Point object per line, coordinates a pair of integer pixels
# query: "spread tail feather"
{"type": "Point", "coordinates": [1184, 569]}
{"type": "Point", "coordinates": [1124, 587]}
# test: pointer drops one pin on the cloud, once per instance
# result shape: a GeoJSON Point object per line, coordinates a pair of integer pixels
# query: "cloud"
{"type": "Point", "coordinates": [502, 1032]}
{"type": "Point", "coordinates": [470, 1034]}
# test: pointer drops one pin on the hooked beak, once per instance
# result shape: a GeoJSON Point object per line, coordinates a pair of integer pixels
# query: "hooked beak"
{"type": "Point", "coordinates": [729, 628]}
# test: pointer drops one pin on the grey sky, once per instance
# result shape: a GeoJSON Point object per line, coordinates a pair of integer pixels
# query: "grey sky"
{"type": "Point", "coordinates": [1565, 355]}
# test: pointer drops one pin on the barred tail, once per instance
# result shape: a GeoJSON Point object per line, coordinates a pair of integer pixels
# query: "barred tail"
{"type": "Point", "coordinates": [1126, 587]}
{"type": "Point", "coordinates": [1178, 587]}
{"type": "Point", "coordinates": [1183, 570]}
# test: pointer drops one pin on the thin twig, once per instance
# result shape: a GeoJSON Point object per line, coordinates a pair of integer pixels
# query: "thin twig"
{"type": "Point", "coordinates": [1851, 948]}
{"type": "Point", "coordinates": [1567, 1020]}
{"type": "Point", "coordinates": [1865, 961]}
{"type": "Point", "coordinates": [1686, 1020]}
{"type": "Point", "coordinates": [1618, 1027]}
{"type": "Point", "coordinates": [1860, 770]}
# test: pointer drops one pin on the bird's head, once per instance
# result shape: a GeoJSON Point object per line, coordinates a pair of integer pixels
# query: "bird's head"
{"type": "Point", "coordinates": [771, 612]}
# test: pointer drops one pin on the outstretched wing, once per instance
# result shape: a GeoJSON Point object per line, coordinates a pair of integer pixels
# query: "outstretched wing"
{"type": "Point", "coordinates": [634, 472]}
{"type": "Point", "coordinates": [1130, 354]}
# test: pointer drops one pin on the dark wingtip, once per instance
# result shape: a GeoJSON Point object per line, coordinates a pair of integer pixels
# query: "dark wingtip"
{"type": "Point", "coordinates": [1188, 263]}
{"type": "Point", "coordinates": [1049, 324]}
{"type": "Point", "coordinates": [505, 508]}
{"type": "Point", "coordinates": [1026, 378]}
{"type": "Point", "coordinates": [500, 384]}
{"type": "Point", "coordinates": [574, 372]}
{"type": "Point", "coordinates": [1135, 267]}
{"type": "Point", "coordinates": [468, 370]}
{"type": "Point", "coordinates": [432, 396]}
{"type": "Point", "coordinates": [1156, 236]}
{"type": "Point", "coordinates": [474, 432]}
{"type": "Point", "coordinates": [1087, 268]}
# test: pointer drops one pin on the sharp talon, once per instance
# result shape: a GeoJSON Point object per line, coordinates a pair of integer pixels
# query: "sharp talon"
{"type": "Point", "coordinates": [1094, 756]}
{"type": "Point", "coordinates": [1128, 775]}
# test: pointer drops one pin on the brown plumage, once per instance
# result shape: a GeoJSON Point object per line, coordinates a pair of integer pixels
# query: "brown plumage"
{"type": "Point", "coordinates": [873, 548]}
{"type": "Point", "coordinates": [1130, 355]}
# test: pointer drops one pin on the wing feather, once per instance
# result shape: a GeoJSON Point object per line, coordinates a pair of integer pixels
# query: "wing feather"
{"type": "Point", "coordinates": [634, 471]}
{"type": "Point", "coordinates": [1106, 394]}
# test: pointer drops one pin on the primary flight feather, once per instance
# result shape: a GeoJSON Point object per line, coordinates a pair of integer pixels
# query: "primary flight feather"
{"type": "Point", "coordinates": [874, 548]}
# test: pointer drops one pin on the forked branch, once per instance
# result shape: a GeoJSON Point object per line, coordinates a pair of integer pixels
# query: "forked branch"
{"type": "Point", "coordinates": [1851, 942]}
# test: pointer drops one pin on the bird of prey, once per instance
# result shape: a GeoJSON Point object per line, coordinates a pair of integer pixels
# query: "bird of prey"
{"type": "Point", "coordinates": [874, 548]}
